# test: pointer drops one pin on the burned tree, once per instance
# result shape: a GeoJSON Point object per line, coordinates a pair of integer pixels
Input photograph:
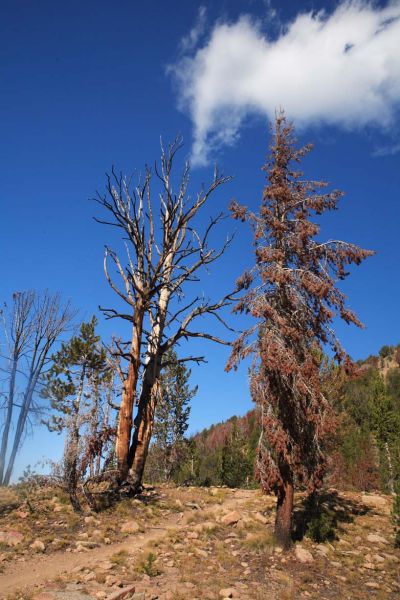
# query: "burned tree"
{"type": "Point", "coordinates": [164, 253]}
{"type": "Point", "coordinates": [292, 293]}
{"type": "Point", "coordinates": [32, 327]}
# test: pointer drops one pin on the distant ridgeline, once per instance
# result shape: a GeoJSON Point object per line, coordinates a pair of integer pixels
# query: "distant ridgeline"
{"type": "Point", "coordinates": [365, 454]}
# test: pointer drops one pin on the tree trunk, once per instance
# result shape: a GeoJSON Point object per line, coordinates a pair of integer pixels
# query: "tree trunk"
{"type": "Point", "coordinates": [23, 415]}
{"type": "Point", "coordinates": [143, 430]}
{"type": "Point", "coordinates": [125, 419]}
{"type": "Point", "coordinates": [72, 484]}
{"type": "Point", "coordinates": [390, 468]}
{"type": "Point", "coordinates": [7, 424]}
{"type": "Point", "coordinates": [284, 515]}
{"type": "Point", "coordinates": [72, 446]}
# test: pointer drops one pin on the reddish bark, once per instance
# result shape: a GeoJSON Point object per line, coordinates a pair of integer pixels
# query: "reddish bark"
{"type": "Point", "coordinates": [284, 515]}
{"type": "Point", "coordinates": [124, 428]}
{"type": "Point", "coordinates": [164, 254]}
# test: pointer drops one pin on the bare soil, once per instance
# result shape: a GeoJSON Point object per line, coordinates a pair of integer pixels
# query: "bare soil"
{"type": "Point", "coordinates": [194, 543]}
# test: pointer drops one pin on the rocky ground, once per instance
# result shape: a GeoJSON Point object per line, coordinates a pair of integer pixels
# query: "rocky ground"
{"type": "Point", "coordinates": [192, 543]}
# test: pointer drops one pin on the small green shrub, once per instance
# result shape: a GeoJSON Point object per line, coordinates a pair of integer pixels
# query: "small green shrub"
{"type": "Point", "coordinates": [321, 527]}
{"type": "Point", "coordinates": [148, 566]}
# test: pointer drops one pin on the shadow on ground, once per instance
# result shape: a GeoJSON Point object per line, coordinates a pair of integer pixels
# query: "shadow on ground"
{"type": "Point", "coordinates": [320, 517]}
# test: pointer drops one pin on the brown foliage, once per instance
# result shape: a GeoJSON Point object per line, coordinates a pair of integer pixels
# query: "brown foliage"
{"type": "Point", "coordinates": [294, 298]}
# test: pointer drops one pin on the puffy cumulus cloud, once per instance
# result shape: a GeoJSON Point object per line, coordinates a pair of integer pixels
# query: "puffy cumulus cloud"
{"type": "Point", "coordinates": [341, 68]}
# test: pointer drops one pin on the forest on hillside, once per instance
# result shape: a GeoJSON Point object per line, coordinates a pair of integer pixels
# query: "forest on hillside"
{"type": "Point", "coordinates": [364, 454]}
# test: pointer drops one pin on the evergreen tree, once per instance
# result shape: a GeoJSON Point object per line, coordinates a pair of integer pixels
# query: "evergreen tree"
{"type": "Point", "coordinates": [385, 425]}
{"type": "Point", "coordinates": [172, 414]}
{"type": "Point", "coordinates": [293, 301]}
{"type": "Point", "coordinates": [237, 466]}
{"type": "Point", "coordinates": [77, 367]}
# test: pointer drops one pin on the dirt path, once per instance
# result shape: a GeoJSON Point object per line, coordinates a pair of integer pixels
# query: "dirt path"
{"type": "Point", "coordinates": [39, 569]}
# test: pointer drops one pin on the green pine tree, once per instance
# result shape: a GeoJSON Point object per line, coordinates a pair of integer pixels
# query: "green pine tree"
{"type": "Point", "coordinates": [237, 466]}
{"type": "Point", "coordinates": [172, 416]}
{"type": "Point", "coordinates": [79, 365]}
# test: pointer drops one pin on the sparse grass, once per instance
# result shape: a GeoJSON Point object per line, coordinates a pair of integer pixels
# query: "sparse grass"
{"type": "Point", "coordinates": [261, 541]}
{"type": "Point", "coordinates": [199, 516]}
{"type": "Point", "coordinates": [211, 532]}
{"type": "Point", "coordinates": [120, 558]}
{"type": "Point", "coordinates": [123, 508]}
{"type": "Point", "coordinates": [216, 496]}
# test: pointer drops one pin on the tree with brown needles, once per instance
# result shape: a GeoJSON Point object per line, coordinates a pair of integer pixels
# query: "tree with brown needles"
{"type": "Point", "coordinates": [292, 293]}
{"type": "Point", "coordinates": [164, 253]}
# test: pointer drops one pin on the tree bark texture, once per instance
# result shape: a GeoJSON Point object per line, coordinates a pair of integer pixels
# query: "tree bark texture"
{"type": "Point", "coordinates": [284, 515]}
{"type": "Point", "coordinates": [143, 429]}
{"type": "Point", "coordinates": [125, 417]}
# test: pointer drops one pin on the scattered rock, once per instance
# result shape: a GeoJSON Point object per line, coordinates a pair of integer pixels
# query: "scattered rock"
{"type": "Point", "coordinates": [378, 558]}
{"type": "Point", "coordinates": [130, 527]}
{"type": "Point", "coordinates": [303, 555]}
{"type": "Point", "coordinates": [375, 501]}
{"type": "Point", "coordinates": [87, 544]}
{"type": "Point", "coordinates": [192, 535]}
{"type": "Point", "coordinates": [91, 520]}
{"type": "Point", "coordinates": [89, 576]}
{"type": "Point", "coordinates": [231, 518]}
{"type": "Point", "coordinates": [376, 539]}
{"type": "Point", "coordinates": [203, 526]}
{"type": "Point", "coordinates": [323, 550]}
{"type": "Point", "coordinates": [260, 518]}
{"type": "Point", "coordinates": [123, 593]}
{"type": "Point", "coordinates": [106, 565]}
{"type": "Point", "coordinates": [373, 585]}
{"type": "Point", "coordinates": [11, 537]}
{"type": "Point", "coordinates": [193, 505]}
{"type": "Point", "coordinates": [97, 534]}
{"type": "Point", "coordinates": [201, 553]}
{"type": "Point", "coordinates": [38, 545]}
{"type": "Point", "coordinates": [228, 593]}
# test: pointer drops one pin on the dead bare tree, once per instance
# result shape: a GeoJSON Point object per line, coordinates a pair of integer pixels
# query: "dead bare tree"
{"type": "Point", "coordinates": [16, 340]}
{"type": "Point", "coordinates": [35, 323]}
{"type": "Point", "coordinates": [164, 255]}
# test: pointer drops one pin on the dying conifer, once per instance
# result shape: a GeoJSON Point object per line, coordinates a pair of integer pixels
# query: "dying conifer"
{"type": "Point", "coordinates": [293, 295]}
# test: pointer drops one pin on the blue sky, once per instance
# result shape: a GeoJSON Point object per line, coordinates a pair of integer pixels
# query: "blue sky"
{"type": "Point", "coordinates": [85, 85]}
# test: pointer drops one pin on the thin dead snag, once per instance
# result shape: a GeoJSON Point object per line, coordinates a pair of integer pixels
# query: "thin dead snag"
{"type": "Point", "coordinates": [33, 326]}
{"type": "Point", "coordinates": [292, 293]}
{"type": "Point", "coordinates": [164, 253]}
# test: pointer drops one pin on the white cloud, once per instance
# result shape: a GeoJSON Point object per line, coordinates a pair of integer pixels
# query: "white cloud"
{"type": "Point", "coordinates": [388, 150]}
{"type": "Point", "coordinates": [189, 41]}
{"type": "Point", "coordinates": [341, 68]}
